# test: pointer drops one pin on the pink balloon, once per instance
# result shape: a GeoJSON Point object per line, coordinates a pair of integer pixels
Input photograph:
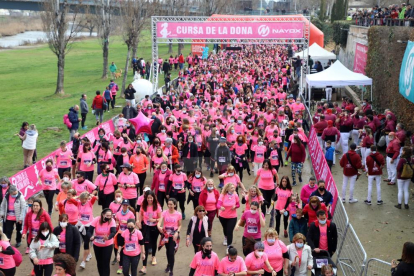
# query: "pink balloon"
{"type": "Point", "coordinates": [142, 123]}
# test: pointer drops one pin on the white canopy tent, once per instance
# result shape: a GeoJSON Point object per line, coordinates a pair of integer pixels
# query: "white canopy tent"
{"type": "Point", "coordinates": [317, 53]}
{"type": "Point", "coordinates": [337, 76]}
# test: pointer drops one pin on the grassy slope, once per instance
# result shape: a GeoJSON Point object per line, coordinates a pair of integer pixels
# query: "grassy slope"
{"type": "Point", "coordinates": [28, 78]}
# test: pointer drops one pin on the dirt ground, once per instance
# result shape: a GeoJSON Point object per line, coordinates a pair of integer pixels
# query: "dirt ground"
{"type": "Point", "coordinates": [381, 229]}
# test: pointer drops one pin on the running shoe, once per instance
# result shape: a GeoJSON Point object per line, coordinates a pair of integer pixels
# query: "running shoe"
{"type": "Point", "coordinates": [83, 265]}
{"type": "Point", "coordinates": [380, 202]}
{"type": "Point", "coordinates": [89, 257]}
{"type": "Point", "coordinates": [354, 200]}
{"type": "Point", "coordinates": [367, 202]}
{"type": "Point", "coordinates": [119, 271]}
{"type": "Point", "coordinates": [225, 242]}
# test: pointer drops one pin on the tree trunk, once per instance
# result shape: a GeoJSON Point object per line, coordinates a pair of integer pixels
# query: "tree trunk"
{"type": "Point", "coordinates": [61, 75]}
{"type": "Point", "coordinates": [180, 48]}
{"type": "Point", "coordinates": [91, 30]}
{"type": "Point", "coordinates": [134, 52]}
{"type": "Point", "coordinates": [105, 58]}
{"type": "Point", "coordinates": [126, 70]}
{"type": "Point", "coordinates": [170, 48]}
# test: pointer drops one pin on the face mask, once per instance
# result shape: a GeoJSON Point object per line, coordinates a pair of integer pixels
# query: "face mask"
{"type": "Point", "coordinates": [163, 130]}
{"type": "Point", "coordinates": [230, 193]}
{"type": "Point", "coordinates": [190, 140]}
{"type": "Point", "coordinates": [4, 185]}
{"type": "Point", "coordinates": [259, 253]}
{"type": "Point", "coordinates": [106, 219]}
{"type": "Point", "coordinates": [130, 229]}
{"type": "Point", "coordinates": [253, 211]}
{"type": "Point", "coordinates": [207, 251]}
{"type": "Point", "coordinates": [231, 121]}
{"type": "Point", "coordinates": [239, 122]}
{"type": "Point", "coordinates": [210, 188]}
{"type": "Point", "coordinates": [45, 233]}
{"type": "Point", "coordinates": [198, 175]}
{"type": "Point", "coordinates": [271, 240]}
{"type": "Point", "coordinates": [63, 224]}
{"type": "Point", "coordinates": [299, 245]}
{"type": "Point", "coordinates": [184, 111]}
{"type": "Point", "coordinates": [30, 205]}
{"type": "Point", "coordinates": [260, 143]}
{"type": "Point", "coordinates": [178, 172]}
{"type": "Point", "coordinates": [118, 199]}
{"type": "Point", "coordinates": [48, 168]}
{"type": "Point", "coordinates": [322, 222]}
{"type": "Point", "coordinates": [373, 152]}
{"type": "Point", "coordinates": [14, 196]}
{"type": "Point", "coordinates": [230, 174]}
{"type": "Point", "coordinates": [321, 189]}
{"type": "Point", "coordinates": [232, 131]}
{"type": "Point", "coordinates": [66, 179]}
{"type": "Point", "coordinates": [163, 170]}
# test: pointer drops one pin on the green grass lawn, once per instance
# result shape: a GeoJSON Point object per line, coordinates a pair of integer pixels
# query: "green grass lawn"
{"type": "Point", "coordinates": [28, 78]}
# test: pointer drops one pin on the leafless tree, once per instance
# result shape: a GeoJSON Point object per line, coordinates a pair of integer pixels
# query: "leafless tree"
{"type": "Point", "coordinates": [136, 16]}
{"type": "Point", "coordinates": [175, 8]}
{"type": "Point", "coordinates": [61, 29]}
{"type": "Point", "coordinates": [104, 14]}
{"type": "Point", "coordinates": [88, 21]}
{"type": "Point", "coordinates": [210, 7]}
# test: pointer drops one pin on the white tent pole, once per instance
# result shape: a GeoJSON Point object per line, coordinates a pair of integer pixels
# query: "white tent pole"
{"type": "Point", "coordinates": [371, 93]}
{"type": "Point", "coordinates": [309, 99]}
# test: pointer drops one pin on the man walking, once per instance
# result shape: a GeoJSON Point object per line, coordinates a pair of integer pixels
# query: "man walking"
{"type": "Point", "coordinates": [112, 69]}
{"type": "Point", "coordinates": [374, 162]}
{"type": "Point", "coordinates": [392, 151]}
{"type": "Point", "coordinates": [84, 110]}
{"type": "Point", "coordinates": [351, 163]}
{"type": "Point", "coordinates": [322, 234]}
{"type": "Point", "coordinates": [74, 119]}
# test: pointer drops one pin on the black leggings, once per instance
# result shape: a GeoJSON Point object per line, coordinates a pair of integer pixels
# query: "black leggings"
{"type": "Point", "coordinates": [49, 194]}
{"type": "Point", "coordinates": [141, 177]}
{"type": "Point", "coordinates": [103, 258]}
{"type": "Point", "coordinates": [83, 115]}
{"type": "Point", "coordinates": [150, 234]}
{"type": "Point", "coordinates": [89, 176]}
{"type": "Point", "coordinates": [130, 261]}
{"type": "Point", "coordinates": [279, 273]}
{"type": "Point", "coordinates": [285, 221]}
{"type": "Point", "coordinates": [194, 199]}
{"type": "Point", "coordinates": [9, 272]}
{"type": "Point", "coordinates": [180, 197]}
{"type": "Point", "coordinates": [9, 227]}
{"type": "Point", "coordinates": [239, 170]}
{"type": "Point", "coordinates": [44, 270]}
{"type": "Point", "coordinates": [86, 239]}
{"type": "Point", "coordinates": [170, 250]}
{"type": "Point", "coordinates": [161, 197]}
{"type": "Point", "coordinates": [267, 195]}
{"type": "Point", "coordinates": [108, 199]}
{"type": "Point", "coordinates": [107, 106]}
{"type": "Point", "coordinates": [228, 225]}
{"type": "Point", "coordinates": [113, 101]}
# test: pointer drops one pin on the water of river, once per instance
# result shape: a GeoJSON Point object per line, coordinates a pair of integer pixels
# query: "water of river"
{"type": "Point", "coordinates": [32, 36]}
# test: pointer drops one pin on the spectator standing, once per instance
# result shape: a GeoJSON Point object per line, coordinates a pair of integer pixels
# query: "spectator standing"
{"type": "Point", "coordinates": [374, 162]}
{"type": "Point", "coordinates": [129, 111]}
{"type": "Point", "coordinates": [84, 110]}
{"type": "Point", "coordinates": [112, 69]}
{"type": "Point", "coordinates": [403, 180]}
{"type": "Point", "coordinates": [392, 151]}
{"type": "Point", "coordinates": [181, 61]}
{"type": "Point", "coordinates": [129, 94]}
{"type": "Point", "coordinates": [329, 154]}
{"type": "Point", "coordinates": [23, 129]}
{"type": "Point", "coordinates": [74, 119]}
{"type": "Point", "coordinates": [29, 144]}
{"type": "Point", "coordinates": [322, 234]}
{"type": "Point", "coordinates": [166, 67]}
{"type": "Point", "coordinates": [406, 266]}
{"type": "Point", "coordinates": [298, 67]}
{"type": "Point", "coordinates": [98, 107]}
{"type": "Point", "coordinates": [351, 163]}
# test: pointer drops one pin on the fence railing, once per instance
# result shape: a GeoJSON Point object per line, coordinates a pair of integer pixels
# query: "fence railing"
{"type": "Point", "coordinates": [377, 267]}
{"type": "Point", "coordinates": [368, 22]}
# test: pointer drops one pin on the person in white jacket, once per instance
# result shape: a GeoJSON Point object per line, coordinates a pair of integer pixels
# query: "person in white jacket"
{"type": "Point", "coordinates": [300, 256]}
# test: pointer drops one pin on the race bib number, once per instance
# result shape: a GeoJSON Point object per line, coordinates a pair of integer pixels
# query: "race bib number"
{"type": "Point", "coordinates": [87, 162]}
{"type": "Point", "coordinates": [99, 240]}
{"type": "Point", "coordinates": [222, 159]}
{"type": "Point", "coordinates": [197, 189]}
{"type": "Point", "coordinates": [259, 155]}
{"type": "Point", "coordinates": [275, 157]}
{"type": "Point", "coordinates": [130, 247]}
{"type": "Point", "coordinates": [178, 186]}
{"type": "Point", "coordinates": [252, 229]}
{"type": "Point", "coordinates": [48, 182]}
{"type": "Point", "coordinates": [85, 217]}
{"type": "Point", "coordinates": [11, 213]}
{"type": "Point", "coordinates": [63, 163]}
{"type": "Point", "coordinates": [62, 246]}
{"type": "Point", "coordinates": [1, 261]}
{"type": "Point", "coordinates": [122, 227]}
{"type": "Point", "coordinates": [321, 262]}
{"type": "Point", "coordinates": [161, 187]}
{"type": "Point", "coordinates": [169, 230]}
{"type": "Point", "coordinates": [34, 232]}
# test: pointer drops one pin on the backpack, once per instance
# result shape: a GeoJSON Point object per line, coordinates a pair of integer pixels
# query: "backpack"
{"type": "Point", "coordinates": [17, 257]}
{"type": "Point", "coordinates": [66, 121]}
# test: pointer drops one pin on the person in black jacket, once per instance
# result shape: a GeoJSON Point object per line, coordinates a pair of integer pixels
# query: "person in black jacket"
{"type": "Point", "coordinates": [166, 67]}
{"type": "Point", "coordinates": [71, 242]}
{"type": "Point", "coordinates": [129, 95]}
{"type": "Point", "coordinates": [321, 192]}
{"type": "Point", "coordinates": [222, 155]}
{"type": "Point", "coordinates": [405, 267]}
{"type": "Point", "coordinates": [316, 237]}
{"type": "Point", "coordinates": [129, 111]}
{"type": "Point", "coordinates": [190, 155]}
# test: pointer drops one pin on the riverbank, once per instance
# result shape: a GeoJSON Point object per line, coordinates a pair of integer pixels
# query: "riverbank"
{"type": "Point", "coordinates": [13, 25]}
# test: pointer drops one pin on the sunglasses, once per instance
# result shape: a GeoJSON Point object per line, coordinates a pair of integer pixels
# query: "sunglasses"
{"type": "Point", "coordinates": [202, 211]}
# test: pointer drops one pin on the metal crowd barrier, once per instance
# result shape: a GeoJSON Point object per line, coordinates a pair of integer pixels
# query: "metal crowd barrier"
{"type": "Point", "coordinates": [376, 267]}
{"type": "Point", "coordinates": [368, 22]}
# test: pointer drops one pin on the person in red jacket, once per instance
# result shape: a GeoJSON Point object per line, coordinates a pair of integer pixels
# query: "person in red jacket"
{"type": "Point", "coordinates": [97, 106]}
{"type": "Point", "coordinates": [374, 163]}
{"type": "Point", "coordinates": [297, 154]}
{"type": "Point", "coordinates": [351, 163]}
{"type": "Point", "coordinates": [312, 208]}
{"type": "Point", "coordinates": [32, 221]}
{"type": "Point", "coordinates": [160, 183]}
{"type": "Point", "coordinates": [181, 61]}
{"type": "Point", "coordinates": [209, 197]}
{"type": "Point", "coordinates": [392, 151]}
{"type": "Point", "coordinates": [319, 127]}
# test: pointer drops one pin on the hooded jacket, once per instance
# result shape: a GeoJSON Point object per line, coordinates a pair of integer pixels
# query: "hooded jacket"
{"type": "Point", "coordinates": [348, 169]}
{"type": "Point", "coordinates": [73, 118]}
{"type": "Point", "coordinates": [314, 235]}
{"type": "Point", "coordinates": [373, 167]}
{"type": "Point", "coordinates": [19, 206]}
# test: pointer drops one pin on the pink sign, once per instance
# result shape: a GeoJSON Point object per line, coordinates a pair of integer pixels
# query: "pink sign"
{"type": "Point", "coordinates": [360, 60]}
{"type": "Point", "coordinates": [26, 180]}
{"type": "Point", "coordinates": [321, 168]}
{"type": "Point", "coordinates": [230, 30]}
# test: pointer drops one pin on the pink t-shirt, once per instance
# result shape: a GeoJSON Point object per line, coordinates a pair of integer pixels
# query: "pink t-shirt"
{"type": "Point", "coordinates": [254, 263]}
{"type": "Point", "coordinates": [104, 156]}
{"type": "Point", "coordinates": [48, 179]}
{"type": "Point", "coordinates": [178, 181]}
{"type": "Point", "coordinates": [211, 202]}
{"type": "Point", "coordinates": [235, 179]}
{"type": "Point", "coordinates": [86, 212]}
{"type": "Point", "coordinates": [6, 261]}
{"type": "Point", "coordinates": [240, 150]}
{"type": "Point", "coordinates": [275, 254]}
{"type": "Point", "coordinates": [206, 266]}
{"type": "Point", "coordinates": [197, 184]}
{"type": "Point", "coordinates": [115, 207]}
{"type": "Point", "coordinates": [161, 183]}
{"type": "Point", "coordinates": [323, 239]}
{"type": "Point", "coordinates": [131, 246]}
{"type": "Point", "coordinates": [11, 214]}
{"type": "Point", "coordinates": [109, 187]}
{"type": "Point", "coordinates": [252, 226]}
{"type": "Point", "coordinates": [259, 153]}
{"type": "Point", "coordinates": [63, 158]}
{"type": "Point", "coordinates": [86, 159]}
{"type": "Point", "coordinates": [274, 157]}
{"type": "Point", "coordinates": [226, 267]}
{"type": "Point", "coordinates": [62, 241]}
{"type": "Point", "coordinates": [131, 179]}
{"type": "Point", "coordinates": [35, 225]}
{"type": "Point", "coordinates": [266, 178]}
{"type": "Point", "coordinates": [171, 221]}
{"type": "Point", "coordinates": [150, 214]}
{"type": "Point", "coordinates": [228, 202]}
{"type": "Point", "coordinates": [257, 199]}
{"type": "Point", "coordinates": [72, 211]}
{"type": "Point", "coordinates": [102, 230]}
{"type": "Point", "coordinates": [122, 219]}
{"type": "Point", "coordinates": [85, 186]}
{"type": "Point", "coordinates": [282, 198]}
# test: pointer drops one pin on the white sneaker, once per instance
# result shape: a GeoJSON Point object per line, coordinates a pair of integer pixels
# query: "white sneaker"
{"type": "Point", "coordinates": [225, 242]}
{"type": "Point", "coordinates": [268, 211]}
{"type": "Point", "coordinates": [83, 264]}
{"type": "Point", "coordinates": [354, 200]}
{"type": "Point", "coordinates": [89, 257]}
